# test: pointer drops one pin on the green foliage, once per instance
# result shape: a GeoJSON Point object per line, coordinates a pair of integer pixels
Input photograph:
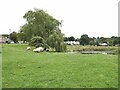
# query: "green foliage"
{"type": "Point", "coordinates": [92, 43]}
{"type": "Point", "coordinates": [71, 38]}
{"type": "Point", "coordinates": [115, 42]}
{"type": "Point", "coordinates": [84, 40]}
{"type": "Point", "coordinates": [13, 37]}
{"type": "Point", "coordinates": [37, 42]}
{"type": "Point", "coordinates": [66, 38]}
{"type": "Point", "coordinates": [5, 35]}
{"type": "Point", "coordinates": [21, 37]}
{"type": "Point", "coordinates": [117, 51]}
{"type": "Point", "coordinates": [41, 24]}
{"type": "Point", "coordinates": [56, 41]}
{"type": "Point", "coordinates": [26, 32]}
{"type": "Point", "coordinates": [102, 40]}
{"type": "Point", "coordinates": [111, 41]}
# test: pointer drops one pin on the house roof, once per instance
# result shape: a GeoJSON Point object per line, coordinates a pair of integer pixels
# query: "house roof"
{"type": "Point", "coordinates": [2, 39]}
{"type": "Point", "coordinates": [104, 44]}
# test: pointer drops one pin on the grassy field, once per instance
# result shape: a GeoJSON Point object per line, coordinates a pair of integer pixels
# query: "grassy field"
{"type": "Point", "coordinates": [0, 66]}
{"type": "Point", "coordinates": [26, 69]}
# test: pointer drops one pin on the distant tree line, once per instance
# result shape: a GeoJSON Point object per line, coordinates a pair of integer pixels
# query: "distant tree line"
{"type": "Point", "coordinates": [83, 40]}
{"type": "Point", "coordinates": [86, 40]}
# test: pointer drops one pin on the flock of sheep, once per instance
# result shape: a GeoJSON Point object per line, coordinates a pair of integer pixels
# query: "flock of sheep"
{"type": "Point", "coordinates": [39, 49]}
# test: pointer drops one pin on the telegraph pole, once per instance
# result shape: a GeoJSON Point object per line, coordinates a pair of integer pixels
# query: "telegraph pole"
{"type": "Point", "coordinates": [9, 33]}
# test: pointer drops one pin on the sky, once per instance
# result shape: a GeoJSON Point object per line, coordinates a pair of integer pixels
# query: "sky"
{"type": "Point", "coordinates": [92, 17]}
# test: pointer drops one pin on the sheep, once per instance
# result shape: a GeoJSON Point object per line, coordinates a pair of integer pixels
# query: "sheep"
{"type": "Point", "coordinates": [104, 53]}
{"type": "Point", "coordinates": [28, 48]}
{"type": "Point", "coordinates": [39, 49]}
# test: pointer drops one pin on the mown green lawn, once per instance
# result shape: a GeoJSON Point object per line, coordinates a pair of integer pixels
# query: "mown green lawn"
{"type": "Point", "coordinates": [26, 69]}
{"type": "Point", "coordinates": [0, 66]}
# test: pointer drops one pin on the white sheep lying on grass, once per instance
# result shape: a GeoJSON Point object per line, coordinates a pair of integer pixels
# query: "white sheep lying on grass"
{"type": "Point", "coordinates": [104, 53]}
{"type": "Point", "coordinates": [39, 49]}
{"type": "Point", "coordinates": [28, 48]}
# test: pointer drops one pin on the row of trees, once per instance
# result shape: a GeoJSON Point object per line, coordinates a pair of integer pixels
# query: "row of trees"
{"type": "Point", "coordinates": [86, 40]}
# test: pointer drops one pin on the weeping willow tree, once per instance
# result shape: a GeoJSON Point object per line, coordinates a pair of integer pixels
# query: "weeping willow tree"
{"type": "Point", "coordinates": [41, 24]}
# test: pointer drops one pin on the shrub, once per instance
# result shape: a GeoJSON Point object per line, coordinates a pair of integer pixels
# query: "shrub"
{"type": "Point", "coordinates": [53, 42]}
{"type": "Point", "coordinates": [37, 42]}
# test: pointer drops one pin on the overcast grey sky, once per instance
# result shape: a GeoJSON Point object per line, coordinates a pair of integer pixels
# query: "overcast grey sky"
{"type": "Point", "coordinates": [92, 17]}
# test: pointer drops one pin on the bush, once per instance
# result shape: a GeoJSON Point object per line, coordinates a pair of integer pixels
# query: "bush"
{"type": "Point", "coordinates": [60, 47]}
{"type": "Point", "coordinates": [56, 42]}
{"type": "Point", "coordinates": [37, 42]}
{"type": "Point", "coordinates": [53, 42]}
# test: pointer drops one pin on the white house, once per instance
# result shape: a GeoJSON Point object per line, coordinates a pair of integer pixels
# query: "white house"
{"type": "Point", "coordinates": [3, 39]}
{"type": "Point", "coordinates": [103, 44]}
